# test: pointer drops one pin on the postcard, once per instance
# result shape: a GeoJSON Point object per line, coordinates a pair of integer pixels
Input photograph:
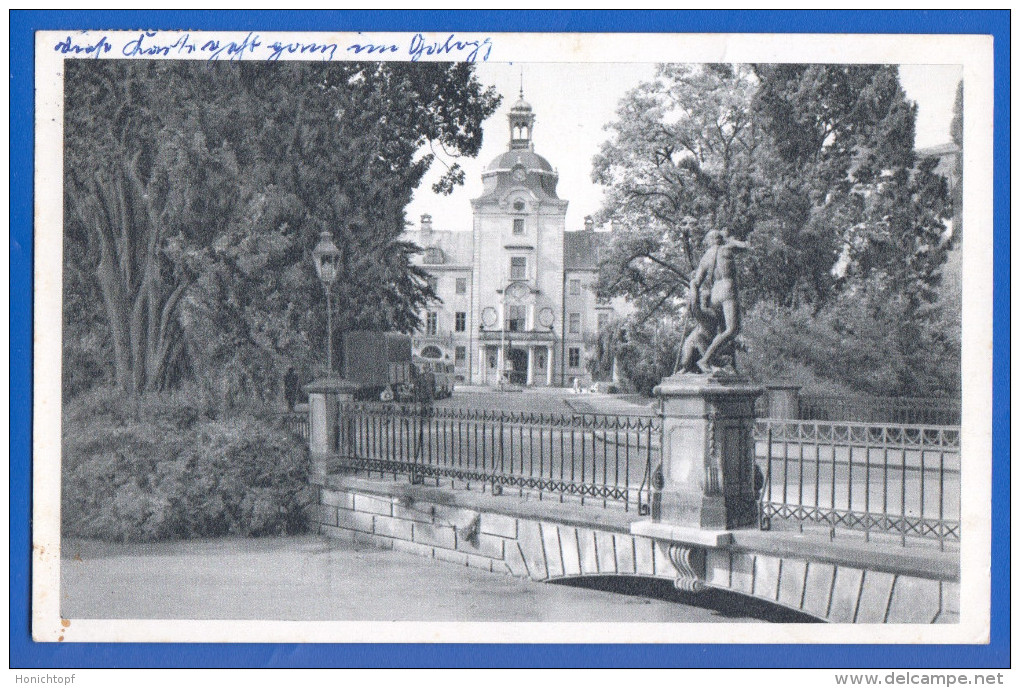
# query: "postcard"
{"type": "Point", "coordinates": [512, 337]}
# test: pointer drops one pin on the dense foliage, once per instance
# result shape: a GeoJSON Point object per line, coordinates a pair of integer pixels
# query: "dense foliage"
{"type": "Point", "coordinates": [194, 194]}
{"type": "Point", "coordinates": [167, 466]}
{"type": "Point", "coordinates": [814, 166]}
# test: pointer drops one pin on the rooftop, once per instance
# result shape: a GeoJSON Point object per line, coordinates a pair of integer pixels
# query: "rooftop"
{"type": "Point", "coordinates": [581, 249]}
{"type": "Point", "coordinates": [530, 160]}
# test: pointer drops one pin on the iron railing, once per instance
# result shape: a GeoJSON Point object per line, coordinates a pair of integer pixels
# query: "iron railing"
{"type": "Point", "coordinates": [899, 410]}
{"type": "Point", "coordinates": [848, 409]}
{"type": "Point", "coordinates": [588, 457]}
{"type": "Point", "coordinates": [902, 479]}
{"type": "Point", "coordinates": [296, 422]}
{"type": "Point", "coordinates": [876, 478]}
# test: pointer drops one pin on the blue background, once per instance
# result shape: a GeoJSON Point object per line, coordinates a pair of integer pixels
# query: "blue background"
{"type": "Point", "coordinates": [26, 654]}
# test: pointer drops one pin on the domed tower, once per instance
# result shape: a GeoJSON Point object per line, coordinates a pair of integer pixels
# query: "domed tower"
{"type": "Point", "coordinates": [520, 165]}
{"type": "Point", "coordinates": [518, 242]}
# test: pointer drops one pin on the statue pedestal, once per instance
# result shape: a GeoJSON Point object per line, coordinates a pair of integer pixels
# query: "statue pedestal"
{"type": "Point", "coordinates": [706, 479]}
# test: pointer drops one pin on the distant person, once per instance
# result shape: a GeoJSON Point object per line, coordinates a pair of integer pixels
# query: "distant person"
{"type": "Point", "coordinates": [291, 389]}
{"type": "Point", "coordinates": [424, 394]}
{"type": "Point", "coordinates": [424, 386]}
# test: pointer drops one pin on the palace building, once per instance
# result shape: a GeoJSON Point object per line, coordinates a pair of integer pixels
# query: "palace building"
{"type": "Point", "coordinates": [518, 291]}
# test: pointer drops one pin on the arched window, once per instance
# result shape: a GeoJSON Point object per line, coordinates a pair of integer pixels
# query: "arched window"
{"type": "Point", "coordinates": [431, 352]}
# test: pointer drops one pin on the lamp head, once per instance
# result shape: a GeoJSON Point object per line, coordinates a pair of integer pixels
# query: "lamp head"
{"type": "Point", "coordinates": [327, 259]}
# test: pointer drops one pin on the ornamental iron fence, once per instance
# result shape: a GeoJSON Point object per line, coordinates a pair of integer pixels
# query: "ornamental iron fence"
{"type": "Point", "coordinates": [601, 458]}
{"type": "Point", "coordinates": [899, 410]}
{"type": "Point", "coordinates": [296, 422]}
{"type": "Point", "coordinates": [901, 479]}
{"type": "Point", "coordinates": [876, 478]}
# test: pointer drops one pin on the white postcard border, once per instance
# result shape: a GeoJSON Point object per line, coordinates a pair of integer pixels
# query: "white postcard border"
{"type": "Point", "coordinates": [973, 52]}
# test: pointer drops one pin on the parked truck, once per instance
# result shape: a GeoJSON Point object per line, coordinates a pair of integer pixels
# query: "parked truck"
{"type": "Point", "coordinates": [382, 365]}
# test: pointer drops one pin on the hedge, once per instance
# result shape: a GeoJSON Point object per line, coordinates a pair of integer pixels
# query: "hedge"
{"type": "Point", "coordinates": [165, 467]}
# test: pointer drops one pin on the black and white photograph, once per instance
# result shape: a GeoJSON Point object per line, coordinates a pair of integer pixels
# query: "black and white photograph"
{"type": "Point", "coordinates": [476, 342]}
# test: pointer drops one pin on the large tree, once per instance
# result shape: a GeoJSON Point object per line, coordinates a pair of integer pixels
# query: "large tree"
{"type": "Point", "coordinates": [195, 192]}
{"type": "Point", "coordinates": [678, 163]}
{"type": "Point", "coordinates": [812, 164]}
{"type": "Point", "coordinates": [144, 189]}
{"type": "Point", "coordinates": [847, 199]}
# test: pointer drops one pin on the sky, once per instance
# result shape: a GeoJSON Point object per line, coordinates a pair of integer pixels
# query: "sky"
{"type": "Point", "coordinates": [574, 101]}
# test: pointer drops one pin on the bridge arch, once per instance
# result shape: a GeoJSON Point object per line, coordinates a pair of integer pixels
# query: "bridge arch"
{"type": "Point", "coordinates": [528, 540]}
{"type": "Point", "coordinates": [722, 600]}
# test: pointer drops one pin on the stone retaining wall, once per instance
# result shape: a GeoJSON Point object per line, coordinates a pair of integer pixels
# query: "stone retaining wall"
{"type": "Point", "coordinates": [389, 515]}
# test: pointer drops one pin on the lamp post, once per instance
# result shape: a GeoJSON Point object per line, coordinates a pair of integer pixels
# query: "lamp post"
{"type": "Point", "coordinates": [327, 258]}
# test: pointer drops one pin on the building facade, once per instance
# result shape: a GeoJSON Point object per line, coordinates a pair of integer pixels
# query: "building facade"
{"type": "Point", "coordinates": [517, 292]}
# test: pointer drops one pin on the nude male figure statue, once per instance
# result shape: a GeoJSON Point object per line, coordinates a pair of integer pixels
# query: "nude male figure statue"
{"type": "Point", "coordinates": [714, 291]}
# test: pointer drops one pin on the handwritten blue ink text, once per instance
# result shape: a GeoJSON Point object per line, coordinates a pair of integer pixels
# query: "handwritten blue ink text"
{"type": "Point", "coordinates": [153, 44]}
{"type": "Point", "coordinates": [370, 48]}
{"type": "Point", "coordinates": [420, 47]}
{"type": "Point", "coordinates": [232, 50]}
{"type": "Point", "coordinates": [144, 45]}
{"type": "Point", "coordinates": [69, 47]}
{"type": "Point", "coordinates": [327, 50]}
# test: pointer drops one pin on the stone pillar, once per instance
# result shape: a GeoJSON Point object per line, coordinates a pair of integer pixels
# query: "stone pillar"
{"type": "Point", "coordinates": [706, 479]}
{"type": "Point", "coordinates": [531, 365]}
{"type": "Point", "coordinates": [324, 398]}
{"type": "Point", "coordinates": [500, 365]}
{"type": "Point", "coordinates": [483, 364]}
{"type": "Point", "coordinates": [783, 400]}
{"type": "Point", "coordinates": [549, 366]}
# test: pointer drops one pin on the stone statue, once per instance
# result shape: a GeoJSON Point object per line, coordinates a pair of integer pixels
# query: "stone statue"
{"type": "Point", "coordinates": [697, 341]}
{"type": "Point", "coordinates": [714, 304]}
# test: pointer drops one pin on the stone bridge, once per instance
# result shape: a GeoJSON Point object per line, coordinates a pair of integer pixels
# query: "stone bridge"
{"type": "Point", "coordinates": [843, 581]}
{"type": "Point", "coordinates": [852, 578]}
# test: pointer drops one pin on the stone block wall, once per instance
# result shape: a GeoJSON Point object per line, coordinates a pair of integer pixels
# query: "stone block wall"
{"type": "Point", "coordinates": [542, 550]}
{"type": "Point", "coordinates": [836, 593]}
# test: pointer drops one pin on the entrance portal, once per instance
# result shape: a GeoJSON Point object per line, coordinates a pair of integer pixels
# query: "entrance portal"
{"type": "Point", "coordinates": [518, 373]}
{"type": "Point", "coordinates": [540, 366]}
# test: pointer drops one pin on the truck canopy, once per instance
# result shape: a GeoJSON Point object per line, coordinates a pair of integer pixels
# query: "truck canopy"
{"type": "Point", "coordinates": [372, 358]}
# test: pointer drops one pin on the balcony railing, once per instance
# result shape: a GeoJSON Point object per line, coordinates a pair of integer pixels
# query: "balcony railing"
{"type": "Point", "coordinates": [518, 336]}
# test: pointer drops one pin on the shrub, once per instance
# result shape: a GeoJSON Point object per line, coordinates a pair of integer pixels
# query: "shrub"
{"type": "Point", "coordinates": [164, 468]}
{"type": "Point", "coordinates": [868, 342]}
{"type": "Point", "coordinates": [649, 354]}
{"type": "Point", "coordinates": [243, 477]}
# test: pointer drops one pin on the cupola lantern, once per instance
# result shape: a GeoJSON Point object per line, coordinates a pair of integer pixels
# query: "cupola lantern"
{"type": "Point", "coordinates": [522, 123]}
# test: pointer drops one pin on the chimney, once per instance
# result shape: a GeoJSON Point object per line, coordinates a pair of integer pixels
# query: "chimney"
{"type": "Point", "coordinates": [426, 225]}
{"type": "Point", "coordinates": [589, 223]}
